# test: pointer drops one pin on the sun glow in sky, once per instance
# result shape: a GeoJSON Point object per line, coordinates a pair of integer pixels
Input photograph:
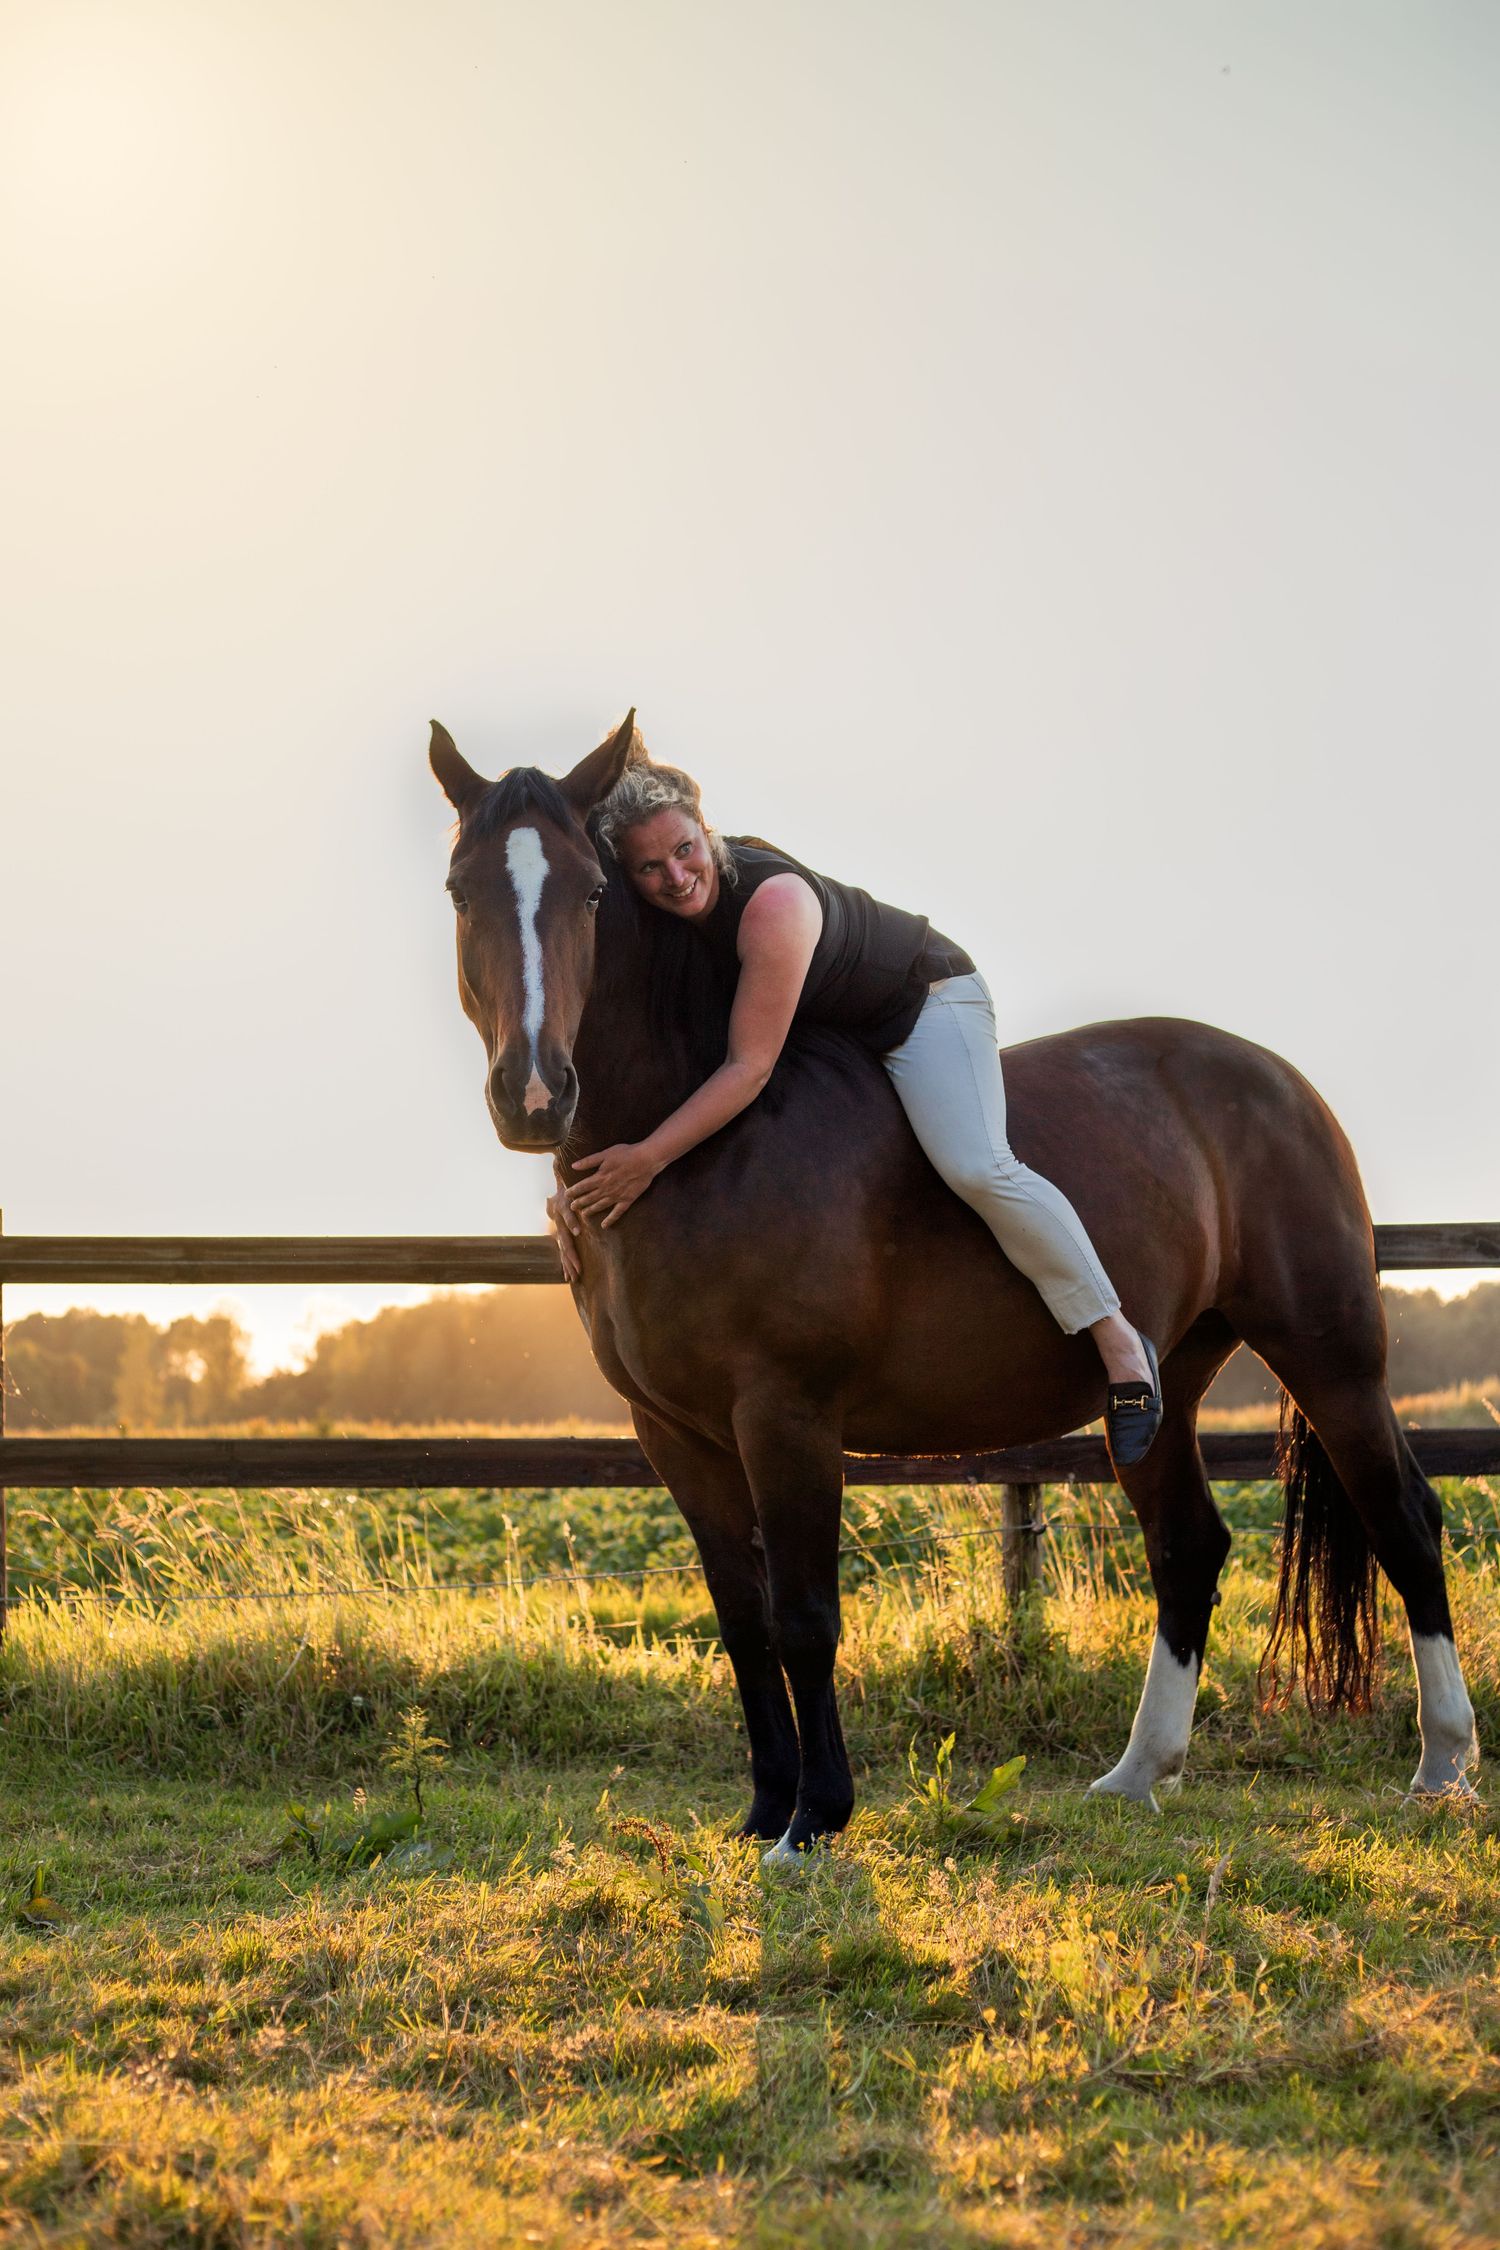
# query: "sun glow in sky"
{"type": "Point", "coordinates": [1034, 460]}
{"type": "Point", "coordinates": [111, 161]}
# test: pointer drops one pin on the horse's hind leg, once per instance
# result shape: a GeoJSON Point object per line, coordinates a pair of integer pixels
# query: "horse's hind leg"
{"type": "Point", "coordinates": [1362, 1493]}
{"type": "Point", "coordinates": [1186, 1542]}
{"type": "Point", "coordinates": [709, 1486]}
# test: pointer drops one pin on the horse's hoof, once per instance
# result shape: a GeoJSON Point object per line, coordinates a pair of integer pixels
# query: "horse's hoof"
{"type": "Point", "coordinates": [787, 1854]}
{"type": "Point", "coordinates": [1133, 1792]}
{"type": "Point", "coordinates": [1460, 1790]}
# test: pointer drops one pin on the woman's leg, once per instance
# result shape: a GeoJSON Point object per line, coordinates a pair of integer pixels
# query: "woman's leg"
{"type": "Point", "coordinates": [950, 1083]}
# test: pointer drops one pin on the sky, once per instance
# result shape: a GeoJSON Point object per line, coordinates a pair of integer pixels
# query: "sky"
{"type": "Point", "coordinates": [1036, 461]}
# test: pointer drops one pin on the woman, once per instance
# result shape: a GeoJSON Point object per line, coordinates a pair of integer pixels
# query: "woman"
{"type": "Point", "coordinates": [797, 944]}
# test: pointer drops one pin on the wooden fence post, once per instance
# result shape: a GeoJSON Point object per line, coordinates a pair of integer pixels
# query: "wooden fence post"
{"type": "Point", "coordinates": [1020, 1515]}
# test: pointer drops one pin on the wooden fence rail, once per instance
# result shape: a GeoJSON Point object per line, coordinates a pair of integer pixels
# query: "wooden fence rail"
{"type": "Point", "coordinates": [409, 1464]}
{"type": "Point", "coordinates": [493, 1258]}
{"type": "Point", "coordinates": [498, 1463]}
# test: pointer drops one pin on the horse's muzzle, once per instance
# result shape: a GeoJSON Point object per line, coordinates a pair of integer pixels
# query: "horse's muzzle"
{"type": "Point", "coordinates": [533, 1115]}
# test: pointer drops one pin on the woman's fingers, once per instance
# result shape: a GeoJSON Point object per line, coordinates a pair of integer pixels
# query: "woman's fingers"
{"type": "Point", "coordinates": [605, 1208]}
{"type": "Point", "coordinates": [608, 1195]}
{"type": "Point", "coordinates": [567, 1255]}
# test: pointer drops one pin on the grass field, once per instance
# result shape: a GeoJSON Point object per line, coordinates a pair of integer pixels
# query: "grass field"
{"type": "Point", "coordinates": [578, 2013]}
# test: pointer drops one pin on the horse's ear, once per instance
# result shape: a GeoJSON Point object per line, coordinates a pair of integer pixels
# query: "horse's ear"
{"type": "Point", "coordinates": [460, 782]}
{"type": "Point", "coordinates": [594, 776]}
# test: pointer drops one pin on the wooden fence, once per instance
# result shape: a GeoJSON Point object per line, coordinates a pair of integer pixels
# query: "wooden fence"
{"type": "Point", "coordinates": [495, 1463]}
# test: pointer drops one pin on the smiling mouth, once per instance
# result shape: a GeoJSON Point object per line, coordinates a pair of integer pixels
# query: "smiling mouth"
{"type": "Point", "coordinates": [679, 898]}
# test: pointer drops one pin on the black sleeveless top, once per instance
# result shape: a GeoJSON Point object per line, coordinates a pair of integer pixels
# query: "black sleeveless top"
{"type": "Point", "coordinates": [870, 968]}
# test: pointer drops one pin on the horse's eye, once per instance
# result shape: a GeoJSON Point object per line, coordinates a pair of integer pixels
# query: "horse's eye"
{"type": "Point", "coordinates": [592, 901]}
{"type": "Point", "coordinates": [460, 903]}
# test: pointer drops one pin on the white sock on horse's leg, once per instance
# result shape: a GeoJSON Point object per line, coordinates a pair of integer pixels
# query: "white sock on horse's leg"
{"type": "Point", "coordinates": [1445, 1716]}
{"type": "Point", "coordinates": [1157, 1749]}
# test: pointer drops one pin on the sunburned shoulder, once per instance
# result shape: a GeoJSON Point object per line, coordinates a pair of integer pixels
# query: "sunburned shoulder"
{"type": "Point", "coordinates": [784, 908]}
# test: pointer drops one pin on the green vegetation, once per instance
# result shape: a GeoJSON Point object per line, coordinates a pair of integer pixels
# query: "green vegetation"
{"type": "Point", "coordinates": [999, 2013]}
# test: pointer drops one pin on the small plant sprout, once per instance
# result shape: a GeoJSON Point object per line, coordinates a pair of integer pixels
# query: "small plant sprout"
{"type": "Point", "coordinates": [413, 1753]}
{"type": "Point", "coordinates": [39, 1911]}
{"type": "Point", "coordinates": [306, 1827]}
{"type": "Point", "coordinates": [383, 1839]}
{"type": "Point", "coordinates": [937, 1804]}
{"type": "Point", "coordinates": [934, 1791]}
{"type": "Point", "coordinates": [693, 1891]}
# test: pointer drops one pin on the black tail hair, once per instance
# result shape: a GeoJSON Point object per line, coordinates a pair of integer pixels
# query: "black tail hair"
{"type": "Point", "coordinates": [1325, 1627]}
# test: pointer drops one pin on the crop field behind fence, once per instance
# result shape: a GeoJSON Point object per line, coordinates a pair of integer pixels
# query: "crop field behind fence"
{"type": "Point", "coordinates": [567, 2008]}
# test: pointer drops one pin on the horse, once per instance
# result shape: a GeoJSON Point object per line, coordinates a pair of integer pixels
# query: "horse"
{"type": "Point", "coordinates": [802, 1285]}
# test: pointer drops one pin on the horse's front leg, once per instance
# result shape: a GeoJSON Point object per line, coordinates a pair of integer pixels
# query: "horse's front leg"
{"type": "Point", "coordinates": [709, 1487]}
{"type": "Point", "coordinates": [793, 1456]}
{"type": "Point", "coordinates": [1186, 1543]}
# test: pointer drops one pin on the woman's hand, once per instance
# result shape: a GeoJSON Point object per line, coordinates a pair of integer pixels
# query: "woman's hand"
{"type": "Point", "coordinates": [617, 1176]}
{"type": "Point", "coordinates": [565, 1226]}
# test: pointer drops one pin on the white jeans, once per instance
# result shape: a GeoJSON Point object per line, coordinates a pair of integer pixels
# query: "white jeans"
{"type": "Point", "coordinates": [949, 1079]}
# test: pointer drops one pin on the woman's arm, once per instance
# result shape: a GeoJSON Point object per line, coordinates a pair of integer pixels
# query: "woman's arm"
{"type": "Point", "coordinates": [779, 932]}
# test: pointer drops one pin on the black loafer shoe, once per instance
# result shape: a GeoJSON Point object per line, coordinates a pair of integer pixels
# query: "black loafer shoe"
{"type": "Point", "coordinates": [1132, 1415]}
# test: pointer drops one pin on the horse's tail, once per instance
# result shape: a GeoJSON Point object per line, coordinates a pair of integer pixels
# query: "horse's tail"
{"type": "Point", "coordinates": [1325, 1625]}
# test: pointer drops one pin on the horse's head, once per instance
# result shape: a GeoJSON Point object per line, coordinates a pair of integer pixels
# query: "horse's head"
{"type": "Point", "coordinates": [525, 881]}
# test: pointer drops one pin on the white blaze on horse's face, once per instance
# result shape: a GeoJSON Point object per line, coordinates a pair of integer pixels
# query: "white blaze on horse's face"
{"type": "Point", "coordinates": [527, 863]}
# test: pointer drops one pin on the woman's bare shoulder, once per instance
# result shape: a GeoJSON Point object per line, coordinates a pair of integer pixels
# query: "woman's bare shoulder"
{"type": "Point", "coordinates": [780, 908]}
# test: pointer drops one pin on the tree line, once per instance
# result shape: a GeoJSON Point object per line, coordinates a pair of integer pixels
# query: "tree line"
{"type": "Point", "coordinates": [506, 1355]}
{"type": "Point", "coordinates": [503, 1355]}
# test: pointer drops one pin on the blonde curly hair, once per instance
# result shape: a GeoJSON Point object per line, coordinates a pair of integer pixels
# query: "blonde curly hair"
{"type": "Point", "coordinates": [645, 788]}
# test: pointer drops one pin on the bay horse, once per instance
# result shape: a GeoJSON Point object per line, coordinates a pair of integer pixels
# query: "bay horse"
{"type": "Point", "coordinates": [802, 1284]}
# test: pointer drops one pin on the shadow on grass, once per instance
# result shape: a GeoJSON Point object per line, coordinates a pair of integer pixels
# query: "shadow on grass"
{"type": "Point", "coordinates": [833, 2071]}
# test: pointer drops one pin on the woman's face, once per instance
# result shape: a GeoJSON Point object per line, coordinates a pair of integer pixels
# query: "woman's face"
{"type": "Point", "coordinates": [668, 860]}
